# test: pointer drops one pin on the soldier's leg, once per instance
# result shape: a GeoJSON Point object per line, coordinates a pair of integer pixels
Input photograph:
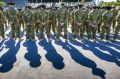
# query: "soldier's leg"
{"type": "Point", "coordinates": [13, 31]}
{"type": "Point", "coordinates": [41, 32]}
{"type": "Point", "coordinates": [108, 33]}
{"type": "Point", "coordinates": [27, 32]}
{"type": "Point", "coordinates": [94, 33]}
{"type": "Point", "coordinates": [58, 33]}
{"type": "Point", "coordinates": [81, 31]}
{"type": "Point", "coordinates": [99, 28]}
{"type": "Point", "coordinates": [89, 32]}
{"type": "Point", "coordinates": [65, 32]}
{"type": "Point", "coordinates": [18, 32]}
{"type": "Point", "coordinates": [48, 33]}
{"type": "Point", "coordinates": [53, 27]}
{"type": "Point", "coordinates": [117, 29]}
{"type": "Point", "coordinates": [3, 32]}
{"type": "Point", "coordinates": [102, 32]}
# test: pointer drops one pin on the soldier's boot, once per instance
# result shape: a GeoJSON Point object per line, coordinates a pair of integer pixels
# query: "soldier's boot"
{"type": "Point", "coordinates": [107, 38]}
{"type": "Point", "coordinates": [65, 36]}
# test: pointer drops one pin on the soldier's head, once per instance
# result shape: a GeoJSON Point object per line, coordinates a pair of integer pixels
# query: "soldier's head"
{"type": "Point", "coordinates": [11, 3]}
{"type": "Point", "coordinates": [62, 4]}
{"type": "Point", "coordinates": [1, 8]}
{"type": "Point", "coordinates": [108, 7]}
{"type": "Point", "coordinates": [19, 9]}
{"type": "Point", "coordinates": [28, 7]}
{"type": "Point", "coordinates": [80, 6]}
{"type": "Point", "coordinates": [94, 7]}
{"type": "Point", "coordinates": [43, 6]}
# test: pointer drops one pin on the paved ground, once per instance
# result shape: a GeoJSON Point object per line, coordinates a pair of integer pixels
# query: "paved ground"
{"type": "Point", "coordinates": [72, 60]}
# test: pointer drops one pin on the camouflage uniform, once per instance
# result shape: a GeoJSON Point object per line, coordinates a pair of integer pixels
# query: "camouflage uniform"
{"type": "Point", "coordinates": [79, 18]}
{"type": "Point", "coordinates": [43, 24]}
{"type": "Point", "coordinates": [117, 29]}
{"type": "Point", "coordinates": [94, 20]}
{"type": "Point", "coordinates": [107, 19]}
{"type": "Point", "coordinates": [30, 24]}
{"type": "Point", "coordinates": [62, 15]}
{"type": "Point", "coordinates": [14, 22]}
{"type": "Point", "coordinates": [51, 17]}
{"type": "Point", "coordinates": [2, 22]}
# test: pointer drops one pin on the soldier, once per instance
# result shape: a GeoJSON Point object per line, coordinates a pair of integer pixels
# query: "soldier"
{"type": "Point", "coordinates": [74, 28]}
{"type": "Point", "coordinates": [20, 17]}
{"type": "Point", "coordinates": [94, 20]}
{"type": "Point", "coordinates": [37, 18]}
{"type": "Point", "coordinates": [100, 12]}
{"type": "Point", "coordinates": [2, 22]}
{"type": "Point", "coordinates": [49, 22]}
{"type": "Point", "coordinates": [13, 20]}
{"type": "Point", "coordinates": [117, 28]}
{"type": "Point", "coordinates": [62, 15]}
{"type": "Point", "coordinates": [115, 12]}
{"type": "Point", "coordinates": [30, 23]}
{"type": "Point", "coordinates": [86, 21]}
{"type": "Point", "coordinates": [43, 20]}
{"type": "Point", "coordinates": [107, 19]}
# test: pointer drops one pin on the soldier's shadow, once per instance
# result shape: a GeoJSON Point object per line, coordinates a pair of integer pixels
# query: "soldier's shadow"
{"type": "Point", "coordinates": [113, 55]}
{"type": "Point", "coordinates": [9, 58]}
{"type": "Point", "coordinates": [52, 55]}
{"type": "Point", "coordinates": [79, 58]}
{"type": "Point", "coordinates": [32, 54]}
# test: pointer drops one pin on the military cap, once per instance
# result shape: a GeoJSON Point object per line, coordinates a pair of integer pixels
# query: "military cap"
{"type": "Point", "coordinates": [11, 3]}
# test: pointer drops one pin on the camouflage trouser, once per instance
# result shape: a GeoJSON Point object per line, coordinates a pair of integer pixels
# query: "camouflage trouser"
{"type": "Point", "coordinates": [48, 29]}
{"type": "Point", "coordinates": [15, 30]}
{"type": "Point", "coordinates": [74, 29]}
{"type": "Point", "coordinates": [117, 30]}
{"type": "Point", "coordinates": [85, 25]}
{"type": "Point", "coordinates": [2, 32]}
{"type": "Point", "coordinates": [37, 26]}
{"type": "Point", "coordinates": [106, 30]}
{"type": "Point", "coordinates": [52, 25]}
{"type": "Point", "coordinates": [113, 25]}
{"type": "Point", "coordinates": [41, 29]}
{"type": "Point", "coordinates": [65, 31]}
{"type": "Point", "coordinates": [30, 31]}
{"type": "Point", "coordinates": [92, 32]}
{"type": "Point", "coordinates": [99, 28]}
{"type": "Point", "coordinates": [81, 31]}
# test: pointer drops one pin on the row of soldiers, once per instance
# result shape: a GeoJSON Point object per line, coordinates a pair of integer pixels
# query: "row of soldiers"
{"type": "Point", "coordinates": [44, 20]}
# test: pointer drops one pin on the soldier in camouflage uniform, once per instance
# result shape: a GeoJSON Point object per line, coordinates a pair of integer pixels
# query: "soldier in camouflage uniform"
{"type": "Point", "coordinates": [62, 15]}
{"type": "Point", "coordinates": [2, 22]}
{"type": "Point", "coordinates": [107, 19]}
{"type": "Point", "coordinates": [29, 20]}
{"type": "Point", "coordinates": [79, 18]}
{"type": "Point", "coordinates": [20, 17]}
{"type": "Point", "coordinates": [86, 21]}
{"type": "Point", "coordinates": [117, 28]}
{"type": "Point", "coordinates": [13, 21]}
{"type": "Point", "coordinates": [43, 20]}
{"type": "Point", "coordinates": [74, 28]}
{"type": "Point", "coordinates": [100, 12]}
{"type": "Point", "coordinates": [94, 20]}
{"type": "Point", "coordinates": [115, 12]}
{"type": "Point", "coordinates": [37, 18]}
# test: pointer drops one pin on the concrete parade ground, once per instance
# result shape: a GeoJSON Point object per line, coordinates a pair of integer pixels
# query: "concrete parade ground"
{"type": "Point", "coordinates": [59, 60]}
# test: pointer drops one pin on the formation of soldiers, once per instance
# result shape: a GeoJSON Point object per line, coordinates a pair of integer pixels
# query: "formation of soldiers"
{"type": "Point", "coordinates": [42, 20]}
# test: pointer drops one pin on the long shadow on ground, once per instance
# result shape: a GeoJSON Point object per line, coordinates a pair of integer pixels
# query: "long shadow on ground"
{"type": "Point", "coordinates": [52, 55]}
{"type": "Point", "coordinates": [79, 58]}
{"type": "Point", "coordinates": [9, 58]}
{"type": "Point", "coordinates": [32, 54]}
